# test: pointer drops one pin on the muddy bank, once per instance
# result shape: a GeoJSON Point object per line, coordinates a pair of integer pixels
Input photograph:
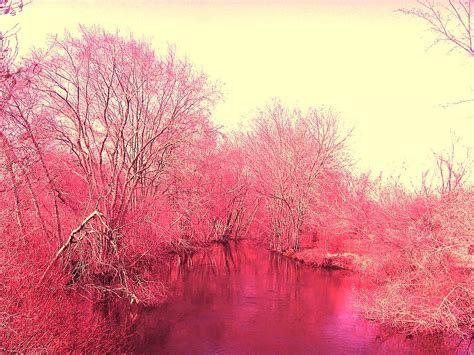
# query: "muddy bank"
{"type": "Point", "coordinates": [318, 257]}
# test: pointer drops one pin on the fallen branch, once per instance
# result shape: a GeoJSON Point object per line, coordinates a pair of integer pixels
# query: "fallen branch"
{"type": "Point", "coordinates": [69, 241]}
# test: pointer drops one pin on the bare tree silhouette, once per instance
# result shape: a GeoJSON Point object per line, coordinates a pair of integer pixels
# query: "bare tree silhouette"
{"type": "Point", "coordinates": [451, 21]}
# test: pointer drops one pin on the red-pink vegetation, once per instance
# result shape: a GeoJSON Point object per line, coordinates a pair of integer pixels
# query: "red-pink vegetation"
{"type": "Point", "coordinates": [109, 159]}
{"type": "Point", "coordinates": [49, 318]}
{"type": "Point", "coordinates": [291, 156]}
{"type": "Point", "coordinates": [103, 144]}
{"type": "Point", "coordinates": [120, 118]}
{"type": "Point", "coordinates": [11, 7]}
{"type": "Point", "coordinates": [412, 245]}
{"type": "Point", "coordinates": [207, 196]}
{"type": "Point", "coordinates": [421, 268]}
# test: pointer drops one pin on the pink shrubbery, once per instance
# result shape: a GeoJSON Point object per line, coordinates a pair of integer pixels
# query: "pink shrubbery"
{"type": "Point", "coordinates": [420, 264]}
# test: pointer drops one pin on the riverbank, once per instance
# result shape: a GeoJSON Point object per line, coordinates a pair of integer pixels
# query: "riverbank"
{"type": "Point", "coordinates": [318, 257]}
{"type": "Point", "coordinates": [423, 290]}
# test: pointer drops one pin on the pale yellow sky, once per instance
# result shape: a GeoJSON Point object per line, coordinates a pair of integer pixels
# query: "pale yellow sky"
{"type": "Point", "coordinates": [360, 57]}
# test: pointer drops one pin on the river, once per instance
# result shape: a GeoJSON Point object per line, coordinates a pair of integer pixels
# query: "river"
{"type": "Point", "coordinates": [236, 298]}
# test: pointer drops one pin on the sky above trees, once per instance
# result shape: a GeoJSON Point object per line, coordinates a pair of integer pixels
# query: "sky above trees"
{"type": "Point", "coordinates": [367, 61]}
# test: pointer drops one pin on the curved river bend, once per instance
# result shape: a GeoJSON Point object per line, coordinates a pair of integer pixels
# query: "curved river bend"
{"type": "Point", "coordinates": [238, 299]}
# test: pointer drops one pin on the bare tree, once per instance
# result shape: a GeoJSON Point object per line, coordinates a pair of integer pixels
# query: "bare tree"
{"type": "Point", "coordinates": [115, 114]}
{"type": "Point", "coordinates": [8, 86]}
{"type": "Point", "coordinates": [452, 169]}
{"type": "Point", "coordinates": [8, 50]}
{"type": "Point", "coordinates": [451, 21]}
{"type": "Point", "coordinates": [289, 154]}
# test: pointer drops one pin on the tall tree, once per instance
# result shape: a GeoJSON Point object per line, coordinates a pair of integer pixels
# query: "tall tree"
{"type": "Point", "coordinates": [108, 116]}
{"type": "Point", "coordinates": [289, 153]}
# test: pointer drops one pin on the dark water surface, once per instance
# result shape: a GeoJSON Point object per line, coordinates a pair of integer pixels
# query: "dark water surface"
{"type": "Point", "coordinates": [238, 299]}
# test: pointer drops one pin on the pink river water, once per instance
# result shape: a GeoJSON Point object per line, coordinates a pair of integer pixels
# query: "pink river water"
{"type": "Point", "coordinates": [238, 299]}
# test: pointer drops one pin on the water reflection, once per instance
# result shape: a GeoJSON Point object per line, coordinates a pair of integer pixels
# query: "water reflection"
{"type": "Point", "coordinates": [234, 298]}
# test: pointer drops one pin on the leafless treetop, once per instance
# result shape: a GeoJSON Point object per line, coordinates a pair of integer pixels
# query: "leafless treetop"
{"type": "Point", "coordinates": [451, 20]}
